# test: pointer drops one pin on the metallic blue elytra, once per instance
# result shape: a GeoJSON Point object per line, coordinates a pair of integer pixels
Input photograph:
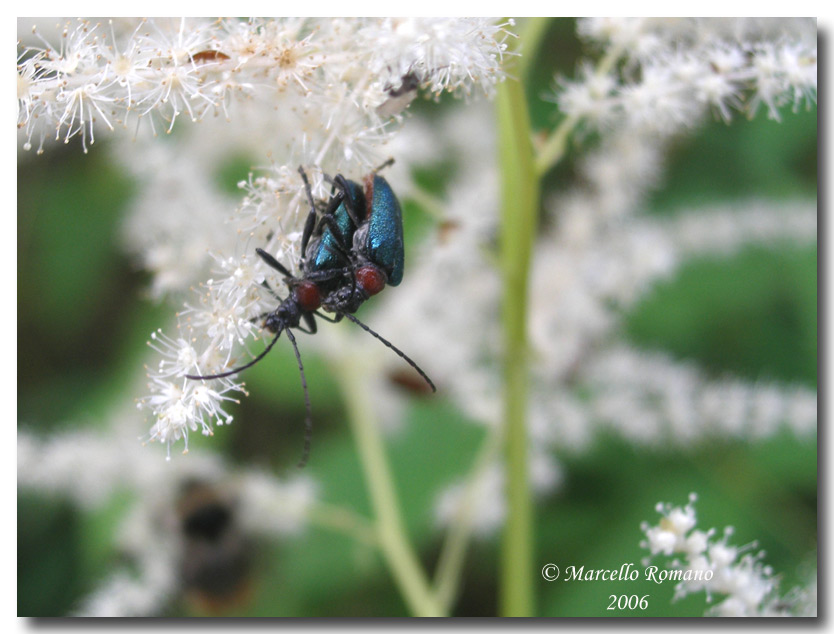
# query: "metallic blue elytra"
{"type": "Point", "coordinates": [383, 244]}
{"type": "Point", "coordinates": [328, 250]}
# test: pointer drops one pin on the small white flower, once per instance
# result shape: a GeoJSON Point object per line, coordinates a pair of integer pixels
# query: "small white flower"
{"type": "Point", "coordinates": [661, 540]}
{"type": "Point", "coordinates": [746, 586]}
{"type": "Point", "coordinates": [181, 405]}
{"type": "Point", "coordinates": [590, 97]}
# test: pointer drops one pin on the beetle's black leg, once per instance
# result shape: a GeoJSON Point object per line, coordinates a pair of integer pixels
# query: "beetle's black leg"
{"type": "Point", "coordinates": [328, 274]}
{"type": "Point", "coordinates": [310, 224]}
{"type": "Point", "coordinates": [332, 320]}
{"type": "Point", "coordinates": [341, 182]}
{"type": "Point", "coordinates": [337, 249]}
{"type": "Point", "coordinates": [275, 264]}
{"type": "Point", "coordinates": [329, 221]}
{"type": "Point", "coordinates": [312, 328]}
{"type": "Point", "coordinates": [336, 198]}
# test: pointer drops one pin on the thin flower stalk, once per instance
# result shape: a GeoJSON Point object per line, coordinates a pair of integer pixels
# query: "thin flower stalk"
{"type": "Point", "coordinates": [390, 530]}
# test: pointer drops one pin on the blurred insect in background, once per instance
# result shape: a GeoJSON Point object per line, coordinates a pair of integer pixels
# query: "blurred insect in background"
{"type": "Point", "coordinates": [216, 559]}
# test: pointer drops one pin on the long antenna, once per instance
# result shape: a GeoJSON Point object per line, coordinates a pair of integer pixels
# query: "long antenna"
{"type": "Point", "coordinates": [402, 354]}
{"type": "Point", "coordinates": [308, 421]}
{"type": "Point", "coordinates": [243, 367]}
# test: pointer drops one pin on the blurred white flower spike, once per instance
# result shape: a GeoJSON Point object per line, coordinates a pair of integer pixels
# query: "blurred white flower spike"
{"type": "Point", "coordinates": [677, 70]}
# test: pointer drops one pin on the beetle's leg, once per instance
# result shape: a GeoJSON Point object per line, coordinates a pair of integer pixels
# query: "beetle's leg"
{"type": "Point", "coordinates": [340, 248]}
{"type": "Point", "coordinates": [332, 320]}
{"type": "Point", "coordinates": [312, 327]}
{"type": "Point", "coordinates": [275, 264]}
{"type": "Point", "coordinates": [329, 274]}
{"type": "Point", "coordinates": [341, 182]}
{"type": "Point", "coordinates": [310, 224]}
{"type": "Point", "coordinates": [353, 213]}
{"type": "Point", "coordinates": [311, 217]}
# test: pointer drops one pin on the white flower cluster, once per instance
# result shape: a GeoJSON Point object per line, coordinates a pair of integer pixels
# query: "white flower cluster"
{"type": "Point", "coordinates": [91, 468]}
{"type": "Point", "coordinates": [323, 93]}
{"type": "Point", "coordinates": [712, 565]}
{"type": "Point", "coordinates": [678, 69]}
{"type": "Point", "coordinates": [108, 75]}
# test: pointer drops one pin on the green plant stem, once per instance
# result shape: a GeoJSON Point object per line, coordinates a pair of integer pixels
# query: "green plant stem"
{"type": "Point", "coordinates": [553, 149]}
{"type": "Point", "coordinates": [432, 205]}
{"type": "Point", "coordinates": [390, 530]}
{"type": "Point", "coordinates": [519, 211]}
{"type": "Point", "coordinates": [342, 520]}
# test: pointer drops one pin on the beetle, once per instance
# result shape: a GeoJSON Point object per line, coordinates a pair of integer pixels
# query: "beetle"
{"type": "Point", "coordinates": [372, 258]}
{"type": "Point", "coordinates": [350, 251]}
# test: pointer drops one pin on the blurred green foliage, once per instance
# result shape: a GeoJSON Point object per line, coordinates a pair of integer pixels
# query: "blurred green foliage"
{"type": "Point", "coordinates": [83, 323]}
